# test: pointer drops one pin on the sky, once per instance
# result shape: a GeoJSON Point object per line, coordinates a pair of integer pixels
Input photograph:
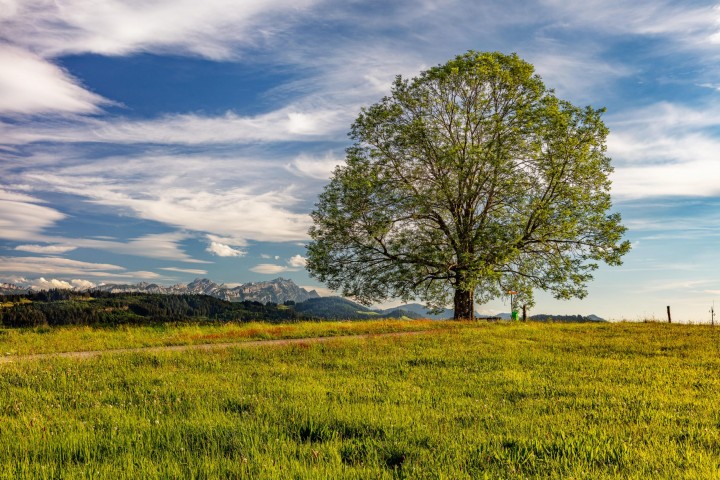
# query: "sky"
{"type": "Point", "coordinates": [166, 140]}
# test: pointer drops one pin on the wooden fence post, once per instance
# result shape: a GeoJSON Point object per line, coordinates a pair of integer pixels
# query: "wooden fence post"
{"type": "Point", "coordinates": [669, 317]}
{"type": "Point", "coordinates": [524, 313]}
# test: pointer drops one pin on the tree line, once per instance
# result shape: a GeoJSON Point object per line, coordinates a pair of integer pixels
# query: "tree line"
{"type": "Point", "coordinates": [64, 307]}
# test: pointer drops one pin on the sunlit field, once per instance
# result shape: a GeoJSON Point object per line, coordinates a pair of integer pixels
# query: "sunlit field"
{"type": "Point", "coordinates": [488, 400]}
{"type": "Point", "coordinates": [27, 341]}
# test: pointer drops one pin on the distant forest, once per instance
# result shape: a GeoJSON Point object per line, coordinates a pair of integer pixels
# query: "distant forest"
{"type": "Point", "coordinates": [65, 307]}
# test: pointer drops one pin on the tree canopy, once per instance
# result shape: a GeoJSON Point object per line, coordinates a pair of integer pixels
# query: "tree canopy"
{"type": "Point", "coordinates": [466, 182]}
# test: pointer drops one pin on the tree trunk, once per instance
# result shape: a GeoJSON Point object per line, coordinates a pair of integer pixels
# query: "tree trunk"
{"type": "Point", "coordinates": [464, 305]}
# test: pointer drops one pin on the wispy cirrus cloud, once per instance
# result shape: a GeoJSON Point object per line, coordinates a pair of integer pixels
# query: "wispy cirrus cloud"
{"type": "Point", "coordinates": [33, 32]}
{"type": "Point", "coordinates": [686, 23]}
{"type": "Point", "coordinates": [227, 200]}
{"type": "Point", "coordinates": [319, 168]}
{"type": "Point", "coordinates": [210, 29]}
{"type": "Point", "coordinates": [58, 266]}
{"type": "Point", "coordinates": [34, 85]}
{"type": "Point", "coordinates": [193, 271]}
{"type": "Point", "coordinates": [43, 273]}
{"type": "Point", "coordinates": [292, 123]}
{"type": "Point", "coordinates": [269, 269]}
{"type": "Point", "coordinates": [666, 149]}
{"type": "Point", "coordinates": [23, 217]}
{"type": "Point", "coordinates": [293, 264]}
{"type": "Point", "coordinates": [46, 249]}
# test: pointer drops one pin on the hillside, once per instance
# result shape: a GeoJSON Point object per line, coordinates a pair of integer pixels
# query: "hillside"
{"type": "Point", "coordinates": [339, 308]}
{"type": "Point", "coordinates": [421, 312]}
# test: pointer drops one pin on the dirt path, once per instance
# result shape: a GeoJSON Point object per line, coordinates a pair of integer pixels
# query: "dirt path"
{"type": "Point", "coordinates": [205, 346]}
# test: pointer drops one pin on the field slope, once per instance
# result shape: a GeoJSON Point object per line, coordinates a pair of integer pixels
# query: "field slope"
{"type": "Point", "coordinates": [489, 401]}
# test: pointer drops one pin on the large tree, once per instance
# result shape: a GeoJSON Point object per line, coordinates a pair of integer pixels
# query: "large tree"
{"type": "Point", "coordinates": [468, 181]}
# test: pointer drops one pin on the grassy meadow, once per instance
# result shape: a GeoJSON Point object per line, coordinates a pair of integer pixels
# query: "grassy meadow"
{"type": "Point", "coordinates": [44, 339]}
{"type": "Point", "coordinates": [488, 400]}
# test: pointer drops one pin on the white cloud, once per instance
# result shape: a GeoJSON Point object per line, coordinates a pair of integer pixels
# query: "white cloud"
{"type": "Point", "coordinates": [29, 85]}
{"type": "Point", "coordinates": [694, 25]}
{"type": "Point", "coordinates": [701, 178]}
{"type": "Point", "coordinates": [114, 27]}
{"type": "Point", "coordinates": [46, 249]}
{"type": "Point", "coordinates": [75, 284]}
{"type": "Point", "coordinates": [294, 264]}
{"type": "Point", "coordinates": [185, 270]}
{"type": "Point", "coordinates": [22, 219]}
{"type": "Point", "coordinates": [292, 123]}
{"type": "Point", "coordinates": [80, 284]}
{"type": "Point", "coordinates": [665, 150]}
{"type": "Point", "coordinates": [140, 274]}
{"type": "Point", "coordinates": [232, 241]}
{"type": "Point", "coordinates": [313, 167]}
{"type": "Point", "coordinates": [578, 75]}
{"type": "Point", "coordinates": [269, 269]}
{"type": "Point", "coordinates": [213, 29]}
{"type": "Point", "coordinates": [57, 266]}
{"type": "Point", "coordinates": [661, 285]}
{"type": "Point", "coordinates": [42, 284]}
{"type": "Point", "coordinates": [222, 250]}
{"type": "Point", "coordinates": [233, 201]}
{"type": "Point", "coordinates": [164, 246]}
{"type": "Point", "coordinates": [14, 279]}
{"type": "Point", "coordinates": [297, 261]}
{"type": "Point", "coordinates": [156, 245]}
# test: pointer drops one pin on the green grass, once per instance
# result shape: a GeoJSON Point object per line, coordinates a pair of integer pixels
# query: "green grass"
{"type": "Point", "coordinates": [27, 341]}
{"type": "Point", "coordinates": [492, 401]}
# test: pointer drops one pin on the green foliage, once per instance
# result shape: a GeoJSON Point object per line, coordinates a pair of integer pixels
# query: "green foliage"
{"type": "Point", "coordinates": [498, 400]}
{"type": "Point", "coordinates": [465, 182]}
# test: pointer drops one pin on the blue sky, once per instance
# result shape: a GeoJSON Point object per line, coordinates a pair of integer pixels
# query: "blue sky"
{"type": "Point", "coordinates": [166, 140]}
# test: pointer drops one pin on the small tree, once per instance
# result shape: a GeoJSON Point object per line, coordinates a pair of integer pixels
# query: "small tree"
{"type": "Point", "coordinates": [467, 181]}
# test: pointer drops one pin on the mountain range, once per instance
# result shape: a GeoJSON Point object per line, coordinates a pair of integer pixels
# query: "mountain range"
{"type": "Point", "coordinates": [282, 290]}
{"type": "Point", "coordinates": [12, 289]}
{"type": "Point", "coordinates": [279, 290]}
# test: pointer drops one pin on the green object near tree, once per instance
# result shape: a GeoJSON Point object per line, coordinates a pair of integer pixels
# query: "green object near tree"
{"type": "Point", "coordinates": [465, 182]}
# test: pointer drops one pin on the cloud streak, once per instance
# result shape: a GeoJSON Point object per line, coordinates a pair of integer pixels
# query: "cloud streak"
{"type": "Point", "coordinates": [114, 27]}
{"type": "Point", "coordinates": [22, 218]}
{"type": "Point", "coordinates": [292, 123]}
{"type": "Point", "coordinates": [34, 85]}
{"type": "Point", "coordinates": [46, 249]}
{"type": "Point", "coordinates": [294, 264]}
{"type": "Point", "coordinates": [227, 200]}
{"type": "Point", "coordinates": [666, 150]}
